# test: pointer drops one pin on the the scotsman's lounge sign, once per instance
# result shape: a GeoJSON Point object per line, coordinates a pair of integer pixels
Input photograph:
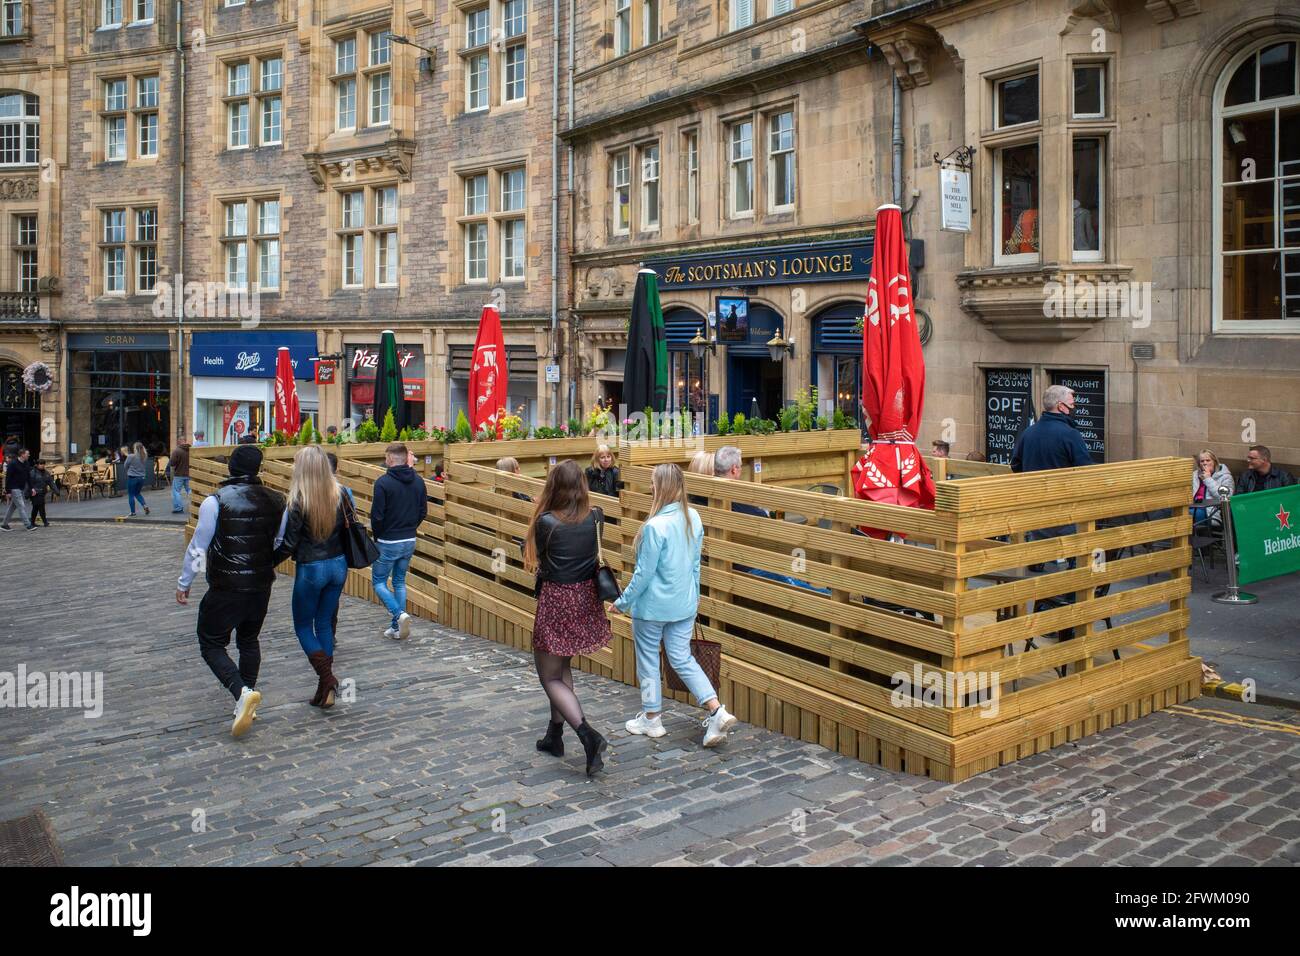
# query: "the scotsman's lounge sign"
{"type": "Point", "coordinates": [1268, 533]}
{"type": "Point", "coordinates": [774, 265]}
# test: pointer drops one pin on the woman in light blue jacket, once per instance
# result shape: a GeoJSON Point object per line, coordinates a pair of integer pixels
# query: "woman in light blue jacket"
{"type": "Point", "coordinates": [662, 598]}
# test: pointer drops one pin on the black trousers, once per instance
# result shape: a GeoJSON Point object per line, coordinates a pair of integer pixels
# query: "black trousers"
{"type": "Point", "coordinates": [241, 612]}
{"type": "Point", "coordinates": [38, 510]}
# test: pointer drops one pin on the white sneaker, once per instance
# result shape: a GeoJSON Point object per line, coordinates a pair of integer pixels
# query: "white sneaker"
{"type": "Point", "coordinates": [245, 712]}
{"type": "Point", "coordinates": [716, 726]}
{"type": "Point", "coordinates": [645, 726]}
{"type": "Point", "coordinates": [390, 633]}
{"type": "Point", "coordinates": [404, 626]}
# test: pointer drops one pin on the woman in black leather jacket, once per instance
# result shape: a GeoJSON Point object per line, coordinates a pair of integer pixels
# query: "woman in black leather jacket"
{"type": "Point", "coordinates": [561, 546]}
{"type": "Point", "coordinates": [602, 476]}
{"type": "Point", "coordinates": [312, 534]}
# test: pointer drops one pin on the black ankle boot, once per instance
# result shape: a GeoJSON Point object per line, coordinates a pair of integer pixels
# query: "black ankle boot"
{"type": "Point", "coordinates": [594, 744]}
{"type": "Point", "coordinates": [553, 743]}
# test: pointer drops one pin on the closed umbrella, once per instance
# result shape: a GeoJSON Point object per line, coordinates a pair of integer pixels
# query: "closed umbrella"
{"type": "Point", "coordinates": [645, 372]}
{"type": "Point", "coordinates": [286, 394]}
{"type": "Point", "coordinates": [489, 377]}
{"type": "Point", "coordinates": [389, 392]}
{"type": "Point", "coordinates": [893, 378]}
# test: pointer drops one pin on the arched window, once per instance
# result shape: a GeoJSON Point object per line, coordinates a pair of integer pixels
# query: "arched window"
{"type": "Point", "coordinates": [687, 375]}
{"type": "Point", "coordinates": [1257, 183]}
{"type": "Point", "coordinates": [20, 129]}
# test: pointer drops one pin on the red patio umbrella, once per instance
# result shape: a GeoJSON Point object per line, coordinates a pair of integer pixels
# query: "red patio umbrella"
{"type": "Point", "coordinates": [488, 374]}
{"type": "Point", "coordinates": [286, 394]}
{"type": "Point", "coordinates": [893, 379]}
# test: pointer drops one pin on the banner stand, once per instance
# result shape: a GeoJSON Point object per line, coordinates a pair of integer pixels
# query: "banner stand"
{"type": "Point", "coordinates": [1234, 594]}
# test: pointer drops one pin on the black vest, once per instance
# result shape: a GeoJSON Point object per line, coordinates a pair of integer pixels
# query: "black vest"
{"type": "Point", "coordinates": [240, 557]}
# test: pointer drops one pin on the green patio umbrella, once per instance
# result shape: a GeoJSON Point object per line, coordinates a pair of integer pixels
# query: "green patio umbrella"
{"type": "Point", "coordinates": [645, 373]}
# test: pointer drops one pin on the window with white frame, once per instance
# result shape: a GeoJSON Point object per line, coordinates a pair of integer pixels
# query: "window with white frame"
{"type": "Point", "coordinates": [514, 60]}
{"type": "Point", "coordinates": [254, 102]}
{"type": "Point", "coordinates": [1257, 190]}
{"type": "Point", "coordinates": [11, 18]}
{"type": "Point", "coordinates": [621, 182]}
{"type": "Point", "coordinates": [379, 77]}
{"type": "Point", "coordinates": [250, 243]}
{"type": "Point", "coordinates": [650, 186]}
{"type": "Point", "coordinates": [239, 87]}
{"type": "Point", "coordinates": [128, 250]}
{"type": "Point", "coordinates": [142, 11]}
{"type": "Point", "coordinates": [778, 7]}
{"type": "Point", "coordinates": [270, 86]}
{"type": "Point", "coordinates": [494, 224]}
{"type": "Point", "coordinates": [742, 14]}
{"type": "Point", "coordinates": [474, 227]}
{"type": "Point", "coordinates": [352, 238]}
{"type": "Point", "coordinates": [622, 27]}
{"type": "Point", "coordinates": [649, 22]}
{"type": "Point", "coordinates": [1087, 202]}
{"type": "Point", "coordinates": [113, 117]}
{"type": "Point", "coordinates": [26, 256]}
{"type": "Point", "coordinates": [1017, 174]}
{"type": "Point", "coordinates": [511, 222]}
{"type": "Point", "coordinates": [20, 129]}
{"type": "Point", "coordinates": [110, 14]}
{"type": "Point", "coordinates": [367, 232]}
{"type": "Point", "coordinates": [146, 117]}
{"type": "Point", "coordinates": [476, 57]}
{"type": "Point", "coordinates": [384, 231]}
{"type": "Point", "coordinates": [1088, 97]}
{"type": "Point", "coordinates": [740, 159]}
{"type": "Point", "coordinates": [691, 152]}
{"type": "Point", "coordinates": [1015, 101]}
{"type": "Point", "coordinates": [345, 83]}
{"type": "Point", "coordinates": [781, 161]}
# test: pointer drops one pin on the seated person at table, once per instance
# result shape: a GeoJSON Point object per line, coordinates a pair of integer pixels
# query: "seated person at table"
{"type": "Point", "coordinates": [602, 475]}
{"type": "Point", "coordinates": [701, 464]}
{"type": "Point", "coordinates": [1210, 481]}
{"type": "Point", "coordinates": [1260, 475]}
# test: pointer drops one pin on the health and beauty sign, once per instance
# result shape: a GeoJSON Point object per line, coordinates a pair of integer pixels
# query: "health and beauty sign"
{"type": "Point", "coordinates": [251, 354]}
{"type": "Point", "coordinates": [1268, 533]}
{"type": "Point", "coordinates": [770, 265]}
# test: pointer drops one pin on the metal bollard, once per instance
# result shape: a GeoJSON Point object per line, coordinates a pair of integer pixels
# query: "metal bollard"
{"type": "Point", "coordinates": [1234, 594]}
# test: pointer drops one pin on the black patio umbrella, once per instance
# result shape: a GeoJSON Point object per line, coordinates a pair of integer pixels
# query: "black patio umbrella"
{"type": "Point", "coordinates": [389, 392]}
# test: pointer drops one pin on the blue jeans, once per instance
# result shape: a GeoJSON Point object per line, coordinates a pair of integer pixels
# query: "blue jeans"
{"type": "Point", "coordinates": [393, 559]}
{"type": "Point", "coordinates": [676, 639]}
{"type": "Point", "coordinates": [179, 485]}
{"type": "Point", "coordinates": [316, 589]}
{"type": "Point", "coordinates": [133, 486]}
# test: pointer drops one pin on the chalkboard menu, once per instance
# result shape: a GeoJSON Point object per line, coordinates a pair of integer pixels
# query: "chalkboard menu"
{"type": "Point", "coordinates": [1008, 410]}
{"type": "Point", "coordinates": [1089, 407]}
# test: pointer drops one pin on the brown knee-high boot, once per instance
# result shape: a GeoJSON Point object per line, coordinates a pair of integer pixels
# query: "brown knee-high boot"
{"type": "Point", "coordinates": [329, 683]}
{"type": "Point", "coordinates": [320, 664]}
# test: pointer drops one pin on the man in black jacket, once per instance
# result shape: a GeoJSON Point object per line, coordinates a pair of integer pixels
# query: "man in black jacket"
{"type": "Point", "coordinates": [399, 507]}
{"type": "Point", "coordinates": [18, 484]}
{"type": "Point", "coordinates": [1260, 475]}
{"type": "Point", "coordinates": [234, 544]}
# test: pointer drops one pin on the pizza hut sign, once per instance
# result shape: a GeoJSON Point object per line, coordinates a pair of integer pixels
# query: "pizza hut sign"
{"type": "Point", "coordinates": [366, 360]}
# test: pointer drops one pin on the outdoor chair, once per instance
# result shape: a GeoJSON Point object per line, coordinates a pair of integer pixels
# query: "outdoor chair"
{"type": "Point", "coordinates": [103, 479]}
{"type": "Point", "coordinates": [1207, 536]}
{"type": "Point", "coordinates": [56, 475]}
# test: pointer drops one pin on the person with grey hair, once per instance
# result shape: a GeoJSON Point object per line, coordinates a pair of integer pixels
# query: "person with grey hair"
{"type": "Point", "coordinates": [1053, 441]}
{"type": "Point", "coordinates": [726, 464]}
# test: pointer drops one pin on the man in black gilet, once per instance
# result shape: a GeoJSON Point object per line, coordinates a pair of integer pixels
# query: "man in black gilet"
{"type": "Point", "coordinates": [234, 544]}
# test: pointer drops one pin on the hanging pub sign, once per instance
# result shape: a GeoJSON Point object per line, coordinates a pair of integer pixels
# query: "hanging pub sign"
{"type": "Point", "coordinates": [954, 198]}
{"type": "Point", "coordinates": [733, 318]}
{"type": "Point", "coordinates": [1008, 410]}
{"type": "Point", "coordinates": [326, 372]}
{"type": "Point", "coordinates": [1089, 407]}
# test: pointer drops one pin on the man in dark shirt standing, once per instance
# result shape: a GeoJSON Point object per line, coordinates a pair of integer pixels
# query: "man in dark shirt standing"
{"type": "Point", "coordinates": [399, 507]}
{"type": "Point", "coordinates": [18, 481]}
{"type": "Point", "coordinates": [1260, 475]}
{"type": "Point", "coordinates": [1052, 441]}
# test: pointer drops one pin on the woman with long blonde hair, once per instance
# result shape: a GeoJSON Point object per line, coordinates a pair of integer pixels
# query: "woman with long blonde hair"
{"type": "Point", "coordinates": [137, 472]}
{"type": "Point", "coordinates": [662, 599]}
{"type": "Point", "coordinates": [312, 534]}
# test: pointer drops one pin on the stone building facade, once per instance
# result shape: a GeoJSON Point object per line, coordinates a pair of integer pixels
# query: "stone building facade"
{"type": "Point", "coordinates": [283, 172]}
{"type": "Point", "coordinates": [1131, 219]}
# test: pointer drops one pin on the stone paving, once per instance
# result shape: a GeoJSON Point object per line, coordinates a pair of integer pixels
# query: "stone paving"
{"type": "Point", "coordinates": [433, 762]}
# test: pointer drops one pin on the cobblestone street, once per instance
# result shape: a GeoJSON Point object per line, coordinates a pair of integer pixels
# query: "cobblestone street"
{"type": "Point", "coordinates": [433, 763]}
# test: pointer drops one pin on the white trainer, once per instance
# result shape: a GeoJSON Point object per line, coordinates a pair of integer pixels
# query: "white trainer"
{"type": "Point", "coordinates": [390, 633]}
{"type": "Point", "coordinates": [645, 726]}
{"type": "Point", "coordinates": [404, 626]}
{"type": "Point", "coordinates": [716, 726]}
{"type": "Point", "coordinates": [245, 712]}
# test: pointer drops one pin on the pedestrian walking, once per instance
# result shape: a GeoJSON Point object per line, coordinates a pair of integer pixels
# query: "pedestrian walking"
{"type": "Point", "coordinates": [179, 462]}
{"type": "Point", "coordinates": [42, 483]}
{"type": "Point", "coordinates": [562, 542]}
{"type": "Point", "coordinates": [137, 471]}
{"type": "Point", "coordinates": [396, 513]}
{"type": "Point", "coordinates": [662, 599]}
{"type": "Point", "coordinates": [602, 476]}
{"type": "Point", "coordinates": [18, 482]}
{"type": "Point", "coordinates": [233, 545]}
{"type": "Point", "coordinates": [312, 534]}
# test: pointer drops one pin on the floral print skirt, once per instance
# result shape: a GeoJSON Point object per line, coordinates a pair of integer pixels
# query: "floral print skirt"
{"type": "Point", "coordinates": [570, 619]}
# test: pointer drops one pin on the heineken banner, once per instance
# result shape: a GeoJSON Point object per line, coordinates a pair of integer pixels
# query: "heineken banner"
{"type": "Point", "coordinates": [1268, 533]}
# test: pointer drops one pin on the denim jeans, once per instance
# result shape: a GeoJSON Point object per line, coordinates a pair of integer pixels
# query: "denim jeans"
{"type": "Point", "coordinates": [317, 586]}
{"type": "Point", "coordinates": [133, 486]}
{"type": "Point", "coordinates": [22, 504]}
{"type": "Point", "coordinates": [180, 485]}
{"type": "Point", "coordinates": [676, 639]}
{"type": "Point", "coordinates": [394, 559]}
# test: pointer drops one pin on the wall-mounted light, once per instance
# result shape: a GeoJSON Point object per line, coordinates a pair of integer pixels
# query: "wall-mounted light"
{"type": "Point", "coordinates": [778, 348]}
{"type": "Point", "coordinates": [700, 345]}
{"type": "Point", "coordinates": [427, 61]}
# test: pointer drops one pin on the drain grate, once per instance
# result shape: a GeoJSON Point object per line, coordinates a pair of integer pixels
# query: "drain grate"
{"type": "Point", "coordinates": [29, 841]}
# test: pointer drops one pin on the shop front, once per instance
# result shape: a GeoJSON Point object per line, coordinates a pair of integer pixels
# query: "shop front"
{"type": "Point", "coordinates": [837, 358]}
{"type": "Point", "coordinates": [233, 376]}
{"type": "Point", "coordinates": [119, 391]}
{"type": "Point", "coordinates": [521, 368]}
{"type": "Point", "coordinates": [362, 362]}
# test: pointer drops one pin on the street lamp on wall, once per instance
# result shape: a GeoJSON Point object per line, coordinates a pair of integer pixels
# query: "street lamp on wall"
{"type": "Point", "coordinates": [427, 61]}
{"type": "Point", "coordinates": [700, 345]}
{"type": "Point", "coordinates": [778, 347]}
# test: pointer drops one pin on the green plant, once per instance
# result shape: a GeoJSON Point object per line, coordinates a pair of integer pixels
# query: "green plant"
{"type": "Point", "coordinates": [823, 422]}
{"type": "Point", "coordinates": [418, 433]}
{"type": "Point", "coordinates": [738, 424]}
{"type": "Point", "coordinates": [404, 434]}
{"type": "Point", "coordinates": [761, 426]}
{"type": "Point", "coordinates": [840, 420]}
{"type": "Point", "coordinates": [316, 436]}
{"type": "Point", "coordinates": [722, 426]}
{"type": "Point", "coordinates": [305, 433]}
{"type": "Point", "coordinates": [440, 434]}
{"type": "Point", "coordinates": [462, 431]}
{"type": "Point", "coordinates": [367, 431]}
{"type": "Point", "coordinates": [789, 418]}
{"type": "Point", "coordinates": [389, 431]}
{"type": "Point", "coordinates": [546, 431]}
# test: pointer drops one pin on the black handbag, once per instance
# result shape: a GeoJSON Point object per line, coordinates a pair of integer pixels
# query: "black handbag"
{"type": "Point", "coordinates": [358, 547]}
{"type": "Point", "coordinates": [607, 588]}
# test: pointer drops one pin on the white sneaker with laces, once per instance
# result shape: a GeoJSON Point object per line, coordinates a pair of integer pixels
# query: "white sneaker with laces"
{"type": "Point", "coordinates": [245, 712]}
{"type": "Point", "coordinates": [390, 633]}
{"type": "Point", "coordinates": [716, 726]}
{"type": "Point", "coordinates": [404, 626]}
{"type": "Point", "coordinates": [646, 726]}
